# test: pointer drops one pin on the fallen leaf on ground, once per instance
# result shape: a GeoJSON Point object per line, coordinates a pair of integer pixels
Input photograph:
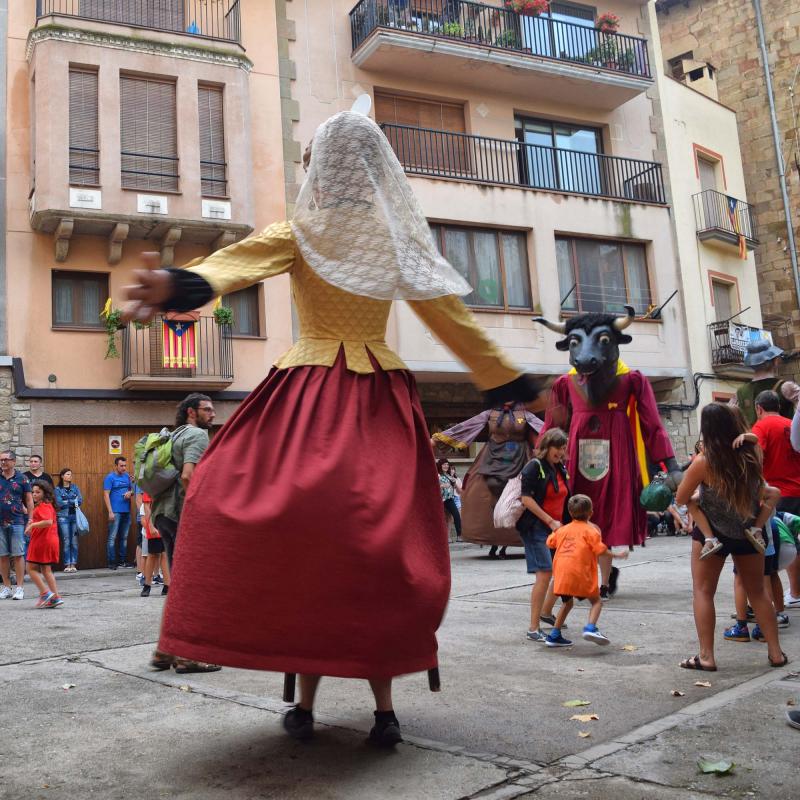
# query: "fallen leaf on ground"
{"type": "Point", "coordinates": [186, 688]}
{"type": "Point", "coordinates": [677, 693]}
{"type": "Point", "coordinates": [66, 686]}
{"type": "Point", "coordinates": [715, 767]}
{"type": "Point", "coordinates": [584, 734]}
{"type": "Point", "coordinates": [584, 717]}
{"type": "Point", "coordinates": [576, 703]}
{"type": "Point", "coordinates": [629, 647]}
{"type": "Point", "coordinates": [703, 684]}
{"type": "Point", "coordinates": [791, 702]}
{"type": "Point", "coordinates": [581, 669]}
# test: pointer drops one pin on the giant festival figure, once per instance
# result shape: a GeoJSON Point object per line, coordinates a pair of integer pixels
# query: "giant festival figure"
{"type": "Point", "coordinates": [342, 569]}
{"type": "Point", "coordinates": [614, 428]}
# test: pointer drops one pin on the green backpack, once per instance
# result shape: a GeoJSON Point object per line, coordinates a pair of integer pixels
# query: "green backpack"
{"type": "Point", "coordinates": [154, 470]}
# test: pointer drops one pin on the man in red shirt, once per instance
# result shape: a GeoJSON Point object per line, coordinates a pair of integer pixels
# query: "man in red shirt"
{"type": "Point", "coordinates": [781, 461]}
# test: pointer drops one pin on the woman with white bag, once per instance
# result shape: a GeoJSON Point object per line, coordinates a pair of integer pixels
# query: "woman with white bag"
{"type": "Point", "coordinates": [68, 499]}
{"type": "Point", "coordinates": [544, 493]}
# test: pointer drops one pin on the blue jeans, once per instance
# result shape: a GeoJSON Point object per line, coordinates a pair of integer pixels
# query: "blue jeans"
{"type": "Point", "coordinates": [117, 544]}
{"type": "Point", "coordinates": [67, 527]}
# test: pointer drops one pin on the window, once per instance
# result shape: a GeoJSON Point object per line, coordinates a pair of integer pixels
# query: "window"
{"type": "Point", "coordinates": [84, 152]}
{"type": "Point", "coordinates": [565, 168]}
{"type": "Point", "coordinates": [212, 142]}
{"type": "Point", "coordinates": [558, 33]}
{"type": "Point", "coordinates": [725, 301]}
{"type": "Point", "coordinates": [149, 134]}
{"type": "Point", "coordinates": [78, 299]}
{"type": "Point", "coordinates": [495, 263]}
{"type": "Point", "coordinates": [245, 305]}
{"type": "Point", "coordinates": [598, 275]}
{"type": "Point", "coordinates": [675, 65]}
{"type": "Point", "coordinates": [708, 173]}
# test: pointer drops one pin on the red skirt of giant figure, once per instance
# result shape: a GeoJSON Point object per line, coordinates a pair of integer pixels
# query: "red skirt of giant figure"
{"type": "Point", "coordinates": [320, 499]}
{"type": "Point", "coordinates": [608, 449]}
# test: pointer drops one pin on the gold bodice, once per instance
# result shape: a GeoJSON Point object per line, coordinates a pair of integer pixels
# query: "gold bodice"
{"type": "Point", "coordinates": [331, 318]}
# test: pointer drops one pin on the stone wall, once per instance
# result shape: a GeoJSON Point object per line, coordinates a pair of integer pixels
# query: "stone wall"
{"type": "Point", "coordinates": [724, 33]}
{"type": "Point", "coordinates": [15, 418]}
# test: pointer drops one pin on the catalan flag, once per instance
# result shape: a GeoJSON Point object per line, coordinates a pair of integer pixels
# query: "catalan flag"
{"type": "Point", "coordinates": [734, 218]}
{"type": "Point", "coordinates": [180, 344]}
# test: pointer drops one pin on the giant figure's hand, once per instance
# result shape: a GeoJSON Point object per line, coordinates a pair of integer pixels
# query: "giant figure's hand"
{"type": "Point", "coordinates": [674, 474]}
{"type": "Point", "coordinates": [153, 288]}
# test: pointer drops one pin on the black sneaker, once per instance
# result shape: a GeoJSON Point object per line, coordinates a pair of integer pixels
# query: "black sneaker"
{"type": "Point", "coordinates": [145, 591]}
{"type": "Point", "coordinates": [299, 723]}
{"type": "Point", "coordinates": [604, 592]}
{"type": "Point", "coordinates": [158, 579]}
{"type": "Point", "coordinates": [612, 581]}
{"type": "Point", "coordinates": [793, 718]}
{"type": "Point", "coordinates": [165, 589]}
{"type": "Point", "coordinates": [112, 568]}
{"type": "Point", "coordinates": [386, 730]}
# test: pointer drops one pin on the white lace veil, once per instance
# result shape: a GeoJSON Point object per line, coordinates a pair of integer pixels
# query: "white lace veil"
{"type": "Point", "coordinates": [358, 224]}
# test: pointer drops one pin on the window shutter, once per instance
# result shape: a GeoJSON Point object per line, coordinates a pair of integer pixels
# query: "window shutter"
{"type": "Point", "coordinates": [84, 155]}
{"type": "Point", "coordinates": [212, 141]}
{"type": "Point", "coordinates": [148, 133]}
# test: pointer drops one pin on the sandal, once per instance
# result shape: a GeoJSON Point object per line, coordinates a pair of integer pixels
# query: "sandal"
{"type": "Point", "coordinates": [695, 663]}
{"type": "Point", "coordinates": [161, 661]}
{"type": "Point", "coordinates": [710, 546]}
{"type": "Point", "coordinates": [756, 538]}
{"type": "Point", "coordinates": [779, 663]}
{"type": "Point", "coordinates": [185, 666]}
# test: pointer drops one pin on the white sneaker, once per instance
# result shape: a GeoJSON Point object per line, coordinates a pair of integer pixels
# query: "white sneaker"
{"type": "Point", "coordinates": [788, 600]}
{"type": "Point", "coordinates": [19, 594]}
{"type": "Point", "coordinates": [5, 593]}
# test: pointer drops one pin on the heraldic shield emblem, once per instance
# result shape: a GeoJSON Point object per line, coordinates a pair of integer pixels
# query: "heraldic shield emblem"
{"type": "Point", "coordinates": [593, 458]}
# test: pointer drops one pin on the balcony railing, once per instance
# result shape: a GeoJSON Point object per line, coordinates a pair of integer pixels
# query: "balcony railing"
{"type": "Point", "coordinates": [157, 356]}
{"type": "Point", "coordinates": [217, 19]}
{"type": "Point", "coordinates": [729, 341]}
{"type": "Point", "coordinates": [480, 159]}
{"type": "Point", "coordinates": [492, 26]}
{"type": "Point", "coordinates": [724, 216]}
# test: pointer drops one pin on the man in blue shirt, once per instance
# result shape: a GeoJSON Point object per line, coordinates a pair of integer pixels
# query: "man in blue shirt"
{"type": "Point", "coordinates": [117, 492]}
{"type": "Point", "coordinates": [16, 508]}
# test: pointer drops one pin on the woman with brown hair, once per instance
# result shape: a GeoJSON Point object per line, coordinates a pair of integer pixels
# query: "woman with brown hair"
{"type": "Point", "coordinates": [449, 486]}
{"type": "Point", "coordinates": [730, 509]}
{"type": "Point", "coordinates": [544, 494]}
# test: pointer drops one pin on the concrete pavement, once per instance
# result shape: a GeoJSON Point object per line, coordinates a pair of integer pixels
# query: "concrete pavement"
{"type": "Point", "coordinates": [498, 729]}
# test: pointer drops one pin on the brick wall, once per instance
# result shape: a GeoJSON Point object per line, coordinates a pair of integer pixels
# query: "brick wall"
{"type": "Point", "coordinates": [724, 33]}
{"type": "Point", "coordinates": [15, 419]}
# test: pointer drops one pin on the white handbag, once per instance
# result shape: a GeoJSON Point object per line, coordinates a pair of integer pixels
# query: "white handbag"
{"type": "Point", "coordinates": [509, 508]}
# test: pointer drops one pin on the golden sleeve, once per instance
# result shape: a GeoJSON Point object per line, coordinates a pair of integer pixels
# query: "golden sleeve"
{"type": "Point", "coordinates": [459, 331]}
{"type": "Point", "coordinates": [271, 252]}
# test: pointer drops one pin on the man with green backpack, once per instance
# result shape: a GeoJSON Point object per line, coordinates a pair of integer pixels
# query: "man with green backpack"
{"type": "Point", "coordinates": [166, 460]}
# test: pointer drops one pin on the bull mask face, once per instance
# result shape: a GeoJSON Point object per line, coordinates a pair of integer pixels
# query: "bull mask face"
{"type": "Point", "coordinates": [591, 351]}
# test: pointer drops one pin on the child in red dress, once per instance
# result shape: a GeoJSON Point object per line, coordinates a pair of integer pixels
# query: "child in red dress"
{"type": "Point", "coordinates": [156, 557]}
{"type": "Point", "coordinates": [43, 547]}
{"type": "Point", "coordinates": [577, 547]}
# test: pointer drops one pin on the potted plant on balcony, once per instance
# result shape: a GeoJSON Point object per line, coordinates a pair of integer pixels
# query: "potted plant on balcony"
{"type": "Point", "coordinates": [222, 314]}
{"type": "Point", "coordinates": [508, 38]}
{"type": "Point", "coordinates": [113, 321]}
{"type": "Point", "coordinates": [453, 29]}
{"type": "Point", "coordinates": [607, 23]}
{"type": "Point", "coordinates": [528, 8]}
{"type": "Point", "coordinates": [608, 54]}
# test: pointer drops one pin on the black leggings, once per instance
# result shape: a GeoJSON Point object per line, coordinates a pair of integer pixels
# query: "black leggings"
{"type": "Point", "coordinates": [452, 509]}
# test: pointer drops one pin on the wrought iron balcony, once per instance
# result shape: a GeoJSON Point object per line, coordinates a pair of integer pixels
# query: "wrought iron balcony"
{"type": "Point", "coordinates": [729, 342]}
{"type": "Point", "coordinates": [497, 27]}
{"type": "Point", "coordinates": [724, 218]}
{"type": "Point", "coordinates": [220, 19]}
{"type": "Point", "coordinates": [198, 354]}
{"type": "Point", "coordinates": [503, 162]}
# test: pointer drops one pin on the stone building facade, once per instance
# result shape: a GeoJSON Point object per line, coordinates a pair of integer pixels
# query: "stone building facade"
{"type": "Point", "coordinates": [724, 34]}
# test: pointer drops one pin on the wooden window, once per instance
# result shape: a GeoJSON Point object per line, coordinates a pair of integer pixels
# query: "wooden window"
{"type": "Point", "coordinates": [212, 141]}
{"type": "Point", "coordinates": [78, 299]}
{"type": "Point", "coordinates": [432, 146]}
{"type": "Point", "coordinates": [600, 275]}
{"type": "Point", "coordinates": [724, 298]}
{"type": "Point", "coordinates": [494, 262]}
{"type": "Point", "coordinates": [246, 307]}
{"type": "Point", "coordinates": [84, 143]}
{"type": "Point", "coordinates": [149, 134]}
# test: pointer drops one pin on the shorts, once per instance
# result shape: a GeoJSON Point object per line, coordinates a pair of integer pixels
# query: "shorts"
{"type": "Point", "coordinates": [730, 547]}
{"type": "Point", "coordinates": [43, 563]}
{"type": "Point", "coordinates": [155, 547]}
{"type": "Point", "coordinates": [537, 553]}
{"type": "Point", "coordinates": [12, 540]}
{"type": "Point", "coordinates": [565, 598]}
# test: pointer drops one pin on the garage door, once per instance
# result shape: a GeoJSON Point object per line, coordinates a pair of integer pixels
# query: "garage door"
{"type": "Point", "coordinates": [86, 452]}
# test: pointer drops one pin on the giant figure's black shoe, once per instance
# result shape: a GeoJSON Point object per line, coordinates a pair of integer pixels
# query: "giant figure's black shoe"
{"type": "Point", "coordinates": [612, 581]}
{"type": "Point", "coordinates": [299, 723]}
{"type": "Point", "coordinates": [386, 731]}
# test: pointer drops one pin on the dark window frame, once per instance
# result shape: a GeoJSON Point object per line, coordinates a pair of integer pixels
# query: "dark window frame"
{"type": "Point", "coordinates": [101, 278]}
{"type": "Point", "coordinates": [575, 265]}
{"type": "Point", "coordinates": [257, 290]}
{"type": "Point", "coordinates": [438, 229]}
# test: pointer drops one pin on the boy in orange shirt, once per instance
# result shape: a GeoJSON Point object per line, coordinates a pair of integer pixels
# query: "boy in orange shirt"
{"type": "Point", "coordinates": [577, 547]}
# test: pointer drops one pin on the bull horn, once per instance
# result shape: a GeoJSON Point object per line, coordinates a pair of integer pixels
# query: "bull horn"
{"type": "Point", "coordinates": [620, 323]}
{"type": "Point", "coordinates": [557, 327]}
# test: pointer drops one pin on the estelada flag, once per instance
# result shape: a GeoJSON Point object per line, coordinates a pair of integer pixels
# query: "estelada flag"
{"type": "Point", "coordinates": [180, 344]}
{"type": "Point", "coordinates": [734, 218]}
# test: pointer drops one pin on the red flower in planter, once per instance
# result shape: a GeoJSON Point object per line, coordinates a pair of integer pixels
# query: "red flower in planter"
{"type": "Point", "coordinates": [608, 22]}
{"type": "Point", "coordinates": [528, 8]}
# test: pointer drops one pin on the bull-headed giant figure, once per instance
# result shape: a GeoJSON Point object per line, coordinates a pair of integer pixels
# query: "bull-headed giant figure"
{"type": "Point", "coordinates": [614, 428]}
